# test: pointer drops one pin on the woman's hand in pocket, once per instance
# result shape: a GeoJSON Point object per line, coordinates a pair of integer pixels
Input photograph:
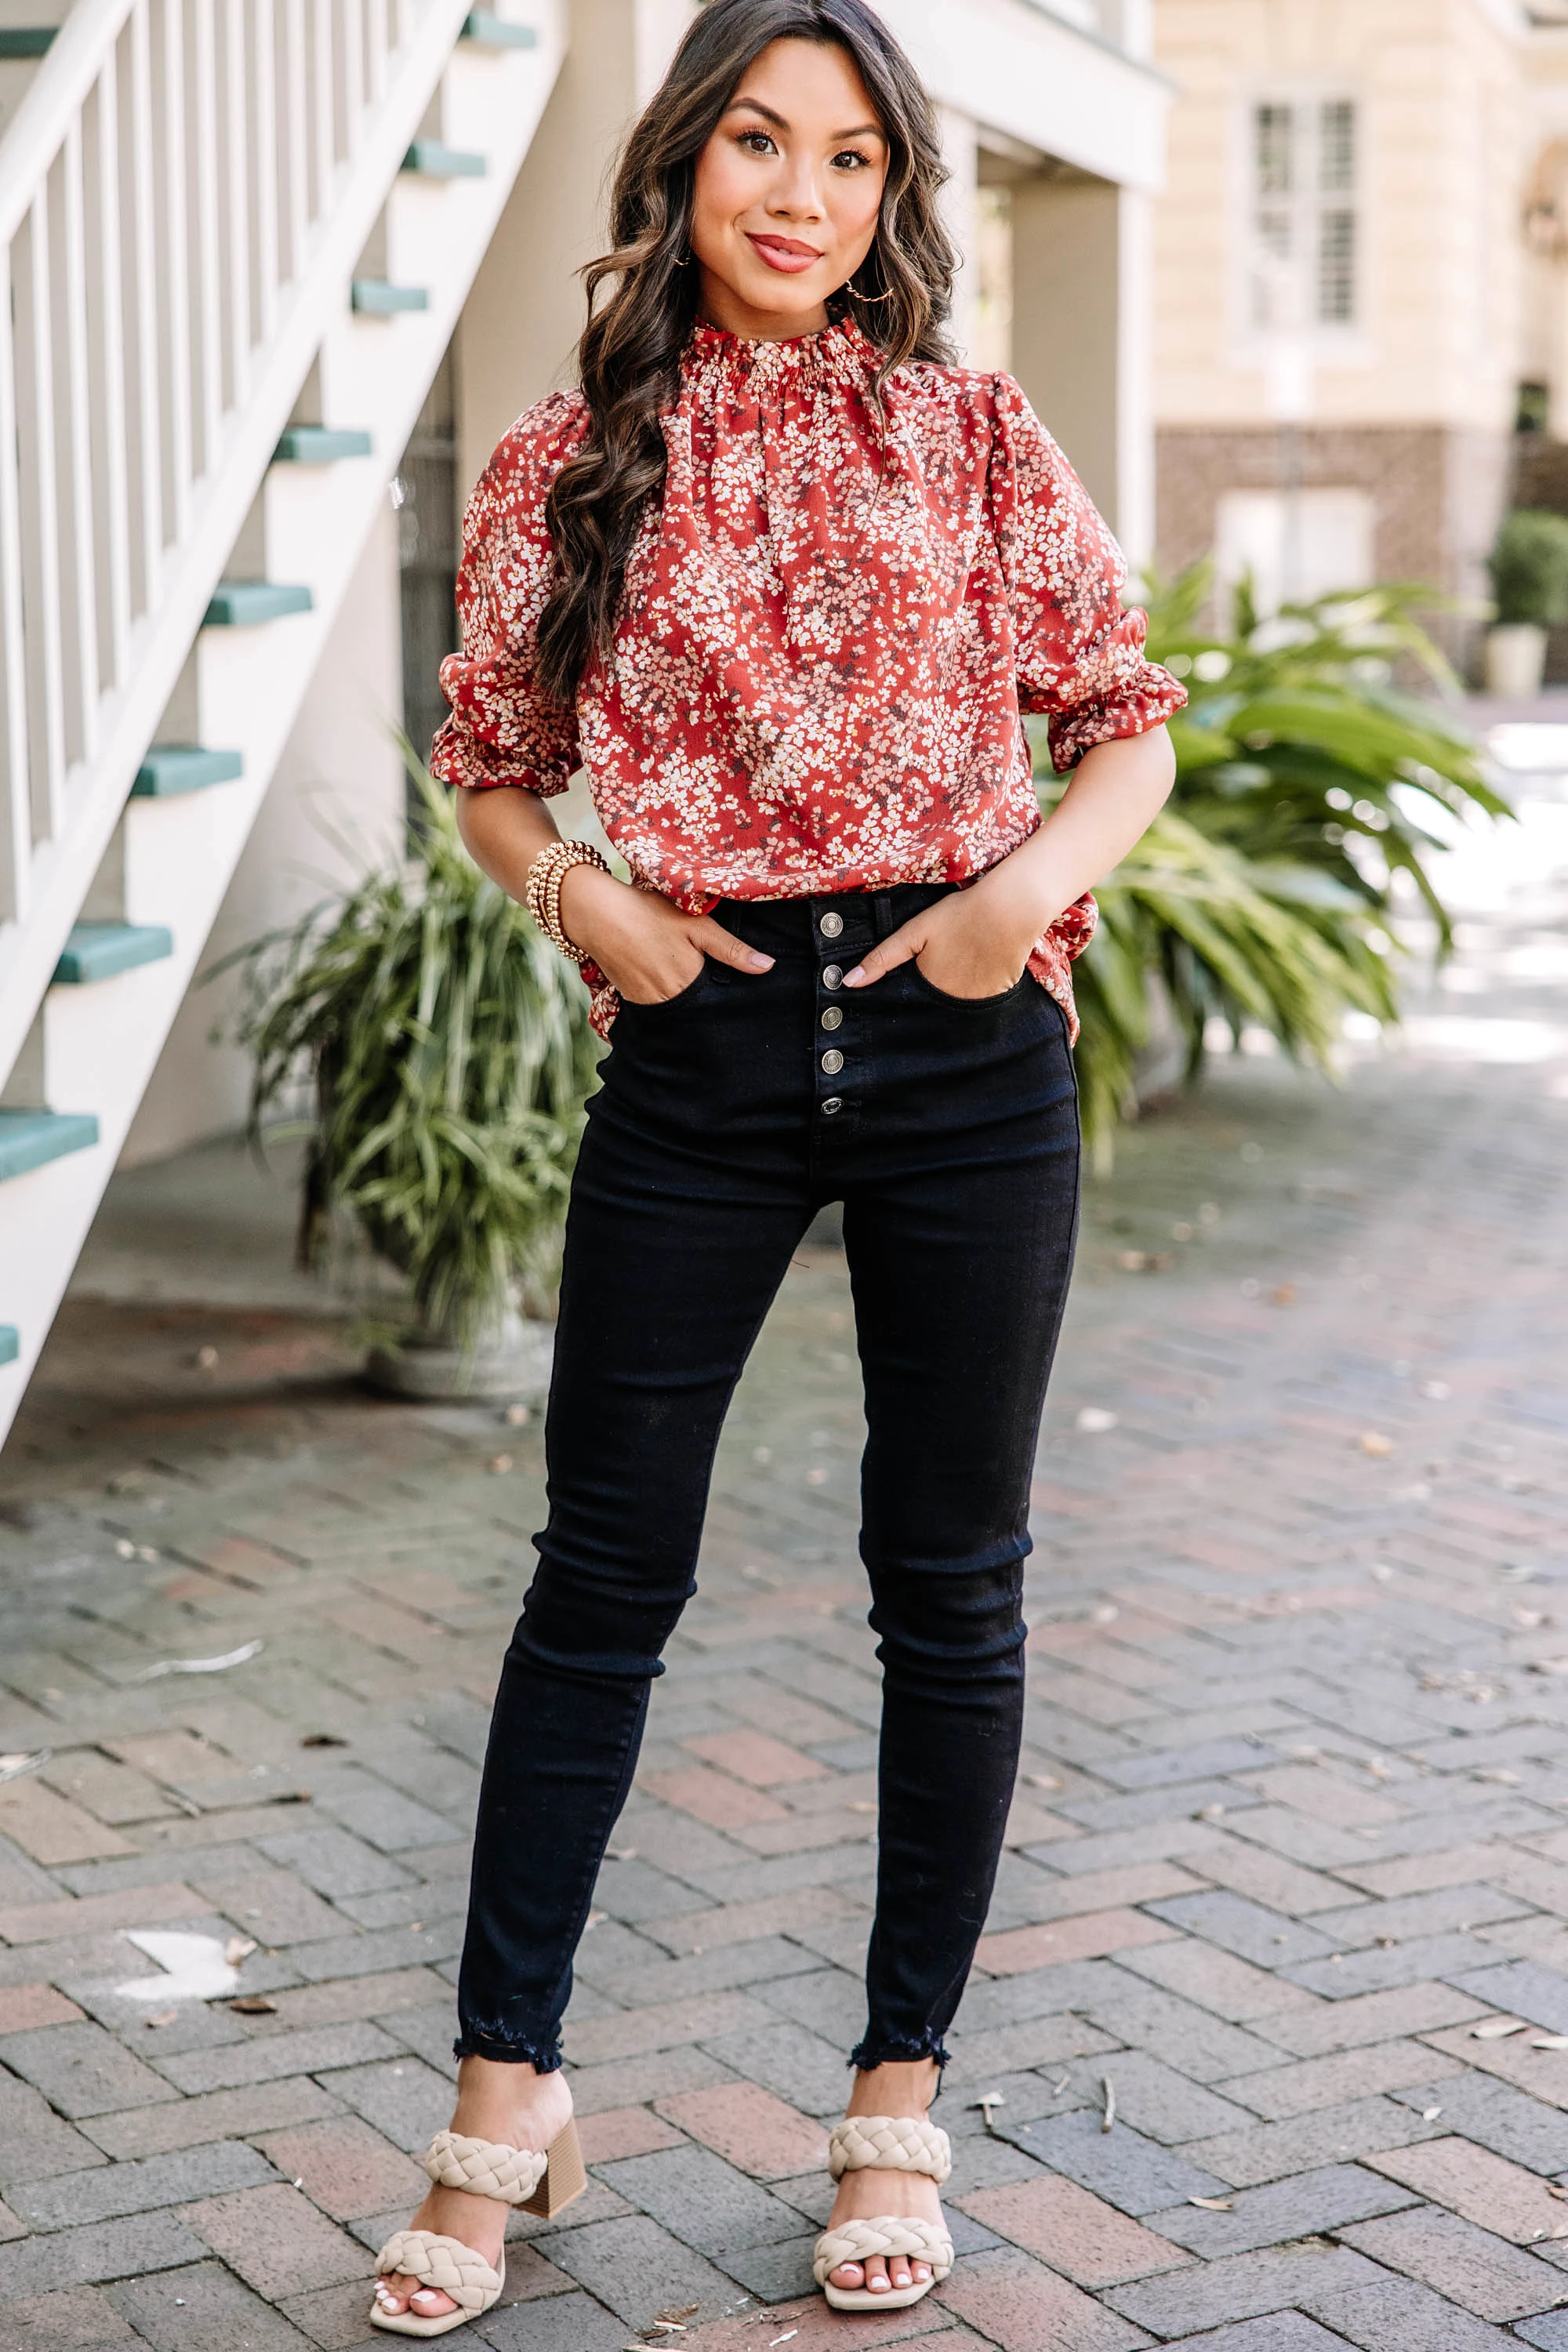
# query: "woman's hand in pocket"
{"type": "Point", "coordinates": [646, 947]}
{"type": "Point", "coordinates": [967, 945]}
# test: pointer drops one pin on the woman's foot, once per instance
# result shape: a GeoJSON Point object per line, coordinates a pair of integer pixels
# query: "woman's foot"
{"type": "Point", "coordinates": [900, 2089]}
{"type": "Point", "coordinates": [510, 2103]}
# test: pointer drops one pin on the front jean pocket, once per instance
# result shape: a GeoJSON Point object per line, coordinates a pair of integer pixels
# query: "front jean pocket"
{"type": "Point", "coordinates": [668, 1003]}
{"type": "Point", "coordinates": [970, 1003]}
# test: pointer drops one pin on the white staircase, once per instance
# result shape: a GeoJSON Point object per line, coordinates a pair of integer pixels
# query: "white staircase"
{"type": "Point", "coordinates": [235, 238]}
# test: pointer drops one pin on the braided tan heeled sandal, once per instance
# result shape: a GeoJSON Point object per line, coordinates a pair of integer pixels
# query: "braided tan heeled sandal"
{"type": "Point", "coordinates": [484, 2168]}
{"type": "Point", "coordinates": [884, 2144]}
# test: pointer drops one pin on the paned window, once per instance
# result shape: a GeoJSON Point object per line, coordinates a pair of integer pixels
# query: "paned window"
{"type": "Point", "coordinates": [1305, 226]}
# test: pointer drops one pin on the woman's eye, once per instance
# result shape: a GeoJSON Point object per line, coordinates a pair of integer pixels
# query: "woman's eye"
{"type": "Point", "coordinates": [757, 142]}
{"type": "Point", "coordinates": [850, 158]}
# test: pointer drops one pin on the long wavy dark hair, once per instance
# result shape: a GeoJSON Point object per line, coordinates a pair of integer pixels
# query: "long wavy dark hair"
{"type": "Point", "coordinates": [629, 356]}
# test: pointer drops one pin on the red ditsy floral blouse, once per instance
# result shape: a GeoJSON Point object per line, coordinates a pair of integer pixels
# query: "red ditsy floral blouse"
{"type": "Point", "coordinates": [828, 632]}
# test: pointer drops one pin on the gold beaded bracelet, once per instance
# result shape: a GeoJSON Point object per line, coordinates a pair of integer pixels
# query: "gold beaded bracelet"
{"type": "Point", "coordinates": [542, 892]}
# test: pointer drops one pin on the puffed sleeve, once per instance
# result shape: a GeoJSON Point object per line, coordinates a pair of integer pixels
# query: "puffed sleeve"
{"type": "Point", "coordinates": [1079, 651]}
{"type": "Point", "coordinates": [501, 730]}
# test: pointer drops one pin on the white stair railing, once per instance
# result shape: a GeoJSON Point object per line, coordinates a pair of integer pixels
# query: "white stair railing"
{"type": "Point", "coordinates": [174, 178]}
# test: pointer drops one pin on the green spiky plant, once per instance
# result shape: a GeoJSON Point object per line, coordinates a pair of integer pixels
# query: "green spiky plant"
{"type": "Point", "coordinates": [1263, 892]}
{"type": "Point", "coordinates": [447, 1055]}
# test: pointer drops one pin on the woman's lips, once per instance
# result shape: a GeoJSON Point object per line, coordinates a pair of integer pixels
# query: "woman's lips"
{"type": "Point", "coordinates": [785, 253]}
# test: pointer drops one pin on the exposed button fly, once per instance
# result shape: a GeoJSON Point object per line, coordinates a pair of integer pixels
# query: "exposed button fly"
{"type": "Point", "coordinates": [832, 1062]}
{"type": "Point", "coordinates": [833, 1014]}
{"type": "Point", "coordinates": [832, 977]}
{"type": "Point", "coordinates": [831, 924]}
{"type": "Point", "coordinates": [834, 1103]}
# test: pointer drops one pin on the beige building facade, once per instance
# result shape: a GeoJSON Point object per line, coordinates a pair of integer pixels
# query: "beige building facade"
{"type": "Point", "coordinates": [1349, 302]}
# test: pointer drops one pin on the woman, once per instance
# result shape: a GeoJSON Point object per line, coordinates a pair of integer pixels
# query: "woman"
{"type": "Point", "coordinates": [781, 579]}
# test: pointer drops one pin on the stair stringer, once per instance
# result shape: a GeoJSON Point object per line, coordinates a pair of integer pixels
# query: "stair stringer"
{"type": "Point", "coordinates": [100, 1043]}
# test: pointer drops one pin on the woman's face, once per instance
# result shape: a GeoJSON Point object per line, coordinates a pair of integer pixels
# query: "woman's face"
{"type": "Point", "coordinates": [787, 192]}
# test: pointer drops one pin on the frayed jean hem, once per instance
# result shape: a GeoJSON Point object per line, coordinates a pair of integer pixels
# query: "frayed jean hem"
{"type": "Point", "coordinates": [543, 2057]}
{"type": "Point", "coordinates": [896, 2053]}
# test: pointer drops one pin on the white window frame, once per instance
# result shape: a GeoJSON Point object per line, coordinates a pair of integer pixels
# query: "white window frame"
{"type": "Point", "coordinates": [1302, 214]}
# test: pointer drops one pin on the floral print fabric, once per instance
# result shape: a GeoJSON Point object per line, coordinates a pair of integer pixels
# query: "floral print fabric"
{"type": "Point", "coordinates": [831, 625]}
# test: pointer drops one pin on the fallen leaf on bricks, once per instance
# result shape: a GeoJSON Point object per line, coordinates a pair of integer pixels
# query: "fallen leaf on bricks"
{"type": "Point", "coordinates": [237, 1949]}
{"type": "Point", "coordinates": [1373, 1442]}
{"type": "Point", "coordinates": [1285, 1296]}
{"type": "Point", "coordinates": [1108, 2114]}
{"type": "Point", "coordinates": [165, 2017]}
{"type": "Point", "coordinates": [254, 2004]}
{"type": "Point", "coordinates": [1548, 1666]}
{"type": "Point", "coordinates": [498, 1464]}
{"type": "Point", "coordinates": [1044, 1781]}
{"type": "Point", "coordinates": [219, 1665]}
{"type": "Point", "coordinates": [1094, 1420]}
{"type": "Point", "coordinates": [14, 1766]}
{"type": "Point", "coordinates": [1430, 2115]}
{"type": "Point", "coordinates": [1213, 2204]}
{"type": "Point", "coordinates": [1496, 2029]}
{"type": "Point", "coordinates": [1550, 2041]}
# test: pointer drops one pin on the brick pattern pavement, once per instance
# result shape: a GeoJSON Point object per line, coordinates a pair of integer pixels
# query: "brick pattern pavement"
{"type": "Point", "coordinates": [1291, 1835]}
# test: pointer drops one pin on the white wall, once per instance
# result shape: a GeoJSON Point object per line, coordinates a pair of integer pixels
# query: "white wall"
{"type": "Point", "coordinates": [522, 322]}
{"type": "Point", "coordinates": [341, 776]}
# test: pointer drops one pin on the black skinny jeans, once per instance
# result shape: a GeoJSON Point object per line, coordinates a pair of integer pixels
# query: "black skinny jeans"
{"type": "Point", "coordinates": [949, 1130]}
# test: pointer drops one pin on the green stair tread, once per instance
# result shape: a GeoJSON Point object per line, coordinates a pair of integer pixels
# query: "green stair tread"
{"type": "Point", "coordinates": [432, 159]}
{"type": "Point", "coordinates": [244, 603]}
{"type": "Point", "coordinates": [100, 950]}
{"type": "Point", "coordinates": [488, 31]}
{"type": "Point", "coordinates": [10, 1343]}
{"type": "Point", "coordinates": [25, 41]}
{"type": "Point", "coordinates": [321, 444]}
{"type": "Point", "coordinates": [31, 1139]}
{"type": "Point", "coordinates": [378, 299]}
{"type": "Point", "coordinates": [170, 769]}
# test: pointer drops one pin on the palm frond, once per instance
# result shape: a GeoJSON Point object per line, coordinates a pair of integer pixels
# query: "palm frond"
{"type": "Point", "coordinates": [1262, 894]}
{"type": "Point", "coordinates": [445, 1054]}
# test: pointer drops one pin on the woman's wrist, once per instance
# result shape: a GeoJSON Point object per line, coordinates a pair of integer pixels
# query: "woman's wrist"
{"type": "Point", "coordinates": [585, 904]}
{"type": "Point", "coordinates": [1024, 897]}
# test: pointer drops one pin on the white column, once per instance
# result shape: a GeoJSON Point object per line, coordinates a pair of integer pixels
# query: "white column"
{"type": "Point", "coordinates": [1134, 512]}
{"type": "Point", "coordinates": [1082, 271]}
{"type": "Point", "coordinates": [961, 155]}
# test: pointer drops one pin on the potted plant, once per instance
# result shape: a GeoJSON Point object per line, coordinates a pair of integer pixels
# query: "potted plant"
{"type": "Point", "coordinates": [443, 1053]}
{"type": "Point", "coordinates": [1529, 568]}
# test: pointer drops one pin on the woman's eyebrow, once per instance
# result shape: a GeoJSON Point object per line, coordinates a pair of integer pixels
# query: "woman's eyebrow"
{"type": "Point", "coordinates": [755, 106]}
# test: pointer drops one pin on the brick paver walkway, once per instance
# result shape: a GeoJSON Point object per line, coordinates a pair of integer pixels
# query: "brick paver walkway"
{"type": "Point", "coordinates": [1293, 1829]}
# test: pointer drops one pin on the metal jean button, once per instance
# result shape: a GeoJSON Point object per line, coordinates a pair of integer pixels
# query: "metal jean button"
{"type": "Point", "coordinates": [833, 1015]}
{"type": "Point", "coordinates": [832, 1062]}
{"type": "Point", "coordinates": [831, 924]}
{"type": "Point", "coordinates": [832, 977]}
{"type": "Point", "coordinates": [834, 1102]}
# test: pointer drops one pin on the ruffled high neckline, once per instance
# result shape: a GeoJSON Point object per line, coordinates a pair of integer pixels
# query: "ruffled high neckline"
{"type": "Point", "coordinates": [837, 354]}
